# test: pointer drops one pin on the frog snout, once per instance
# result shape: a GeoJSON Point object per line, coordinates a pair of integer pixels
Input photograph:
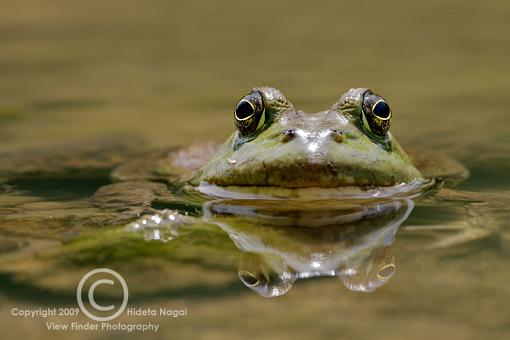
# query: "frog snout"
{"type": "Point", "coordinates": [309, 137]}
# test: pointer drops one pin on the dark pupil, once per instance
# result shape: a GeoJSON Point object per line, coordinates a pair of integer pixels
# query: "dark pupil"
{"type": "Point", "coordinates": [382, 110]}
{"type": "Point", "coordinates": [244, 110]}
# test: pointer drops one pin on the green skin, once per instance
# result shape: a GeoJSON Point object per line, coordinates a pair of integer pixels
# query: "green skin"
{"type": "Point", "coordinates": [326, 149]}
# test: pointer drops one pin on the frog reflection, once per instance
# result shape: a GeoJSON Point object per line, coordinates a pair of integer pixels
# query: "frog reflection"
{"type": "Point", "coordinates": [352, 242]}
{"type": "Point", "coordinates": [271, 278]}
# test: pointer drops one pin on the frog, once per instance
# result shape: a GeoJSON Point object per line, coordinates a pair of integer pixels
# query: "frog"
{"type": "Point", "coordinates": [276, 150]}
{"type": "Point", "coordinates": [277, 146]}
{"type": "Point", "coordinates": [283, 177]}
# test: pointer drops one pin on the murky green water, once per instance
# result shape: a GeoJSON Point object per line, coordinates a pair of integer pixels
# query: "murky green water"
{"type": "Point", "coordinates": [98, 75]}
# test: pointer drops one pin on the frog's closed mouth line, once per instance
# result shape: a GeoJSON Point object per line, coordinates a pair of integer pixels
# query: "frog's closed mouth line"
{"type": "Point", "coordinates": [409, 190]}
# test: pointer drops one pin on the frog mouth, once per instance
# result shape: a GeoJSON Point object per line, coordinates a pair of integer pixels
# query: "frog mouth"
{"type": "Point", "coordinates": [321, 171]}
{"type": "Point", "coordinates": [412, 189]}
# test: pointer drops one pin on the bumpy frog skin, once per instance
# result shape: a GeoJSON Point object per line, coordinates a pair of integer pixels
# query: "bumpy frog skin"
{"type": "Point", "coordinates": [294, 149]}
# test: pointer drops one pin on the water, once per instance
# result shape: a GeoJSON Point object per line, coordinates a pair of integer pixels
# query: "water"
{"type": "Point", "coordinates": [95, 74]}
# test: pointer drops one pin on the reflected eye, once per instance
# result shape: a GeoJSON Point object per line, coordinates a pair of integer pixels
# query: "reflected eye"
{"type": "Point", "coordinates": [249, 279]}
{"type": "Point", "coordinates": [249, 113]}
{"type": "Point", "coordinates": [386, 272]}
{"type": "Point", "coordinates": [376, 114]}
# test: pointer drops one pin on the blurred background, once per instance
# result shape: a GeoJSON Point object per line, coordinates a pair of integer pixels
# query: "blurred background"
{"type": "Point", "coordinates": [82, 69]}
{"type": "Point", "coordinates": [171, 73]}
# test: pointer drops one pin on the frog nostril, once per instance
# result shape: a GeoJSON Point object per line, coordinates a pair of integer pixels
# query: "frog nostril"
{"type": "Point", "coordinates": [288, 135]}
{"type": "Point", "coordinates": [337, 136]}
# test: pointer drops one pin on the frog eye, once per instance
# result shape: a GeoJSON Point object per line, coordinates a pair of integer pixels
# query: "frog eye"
{"type": "Point", "coordinates": [376, 114]}
{"type": "Point", "coordinates": [250, 113]}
